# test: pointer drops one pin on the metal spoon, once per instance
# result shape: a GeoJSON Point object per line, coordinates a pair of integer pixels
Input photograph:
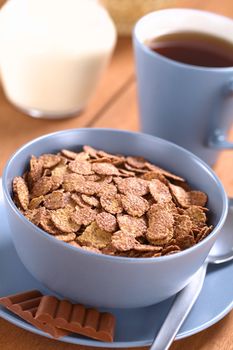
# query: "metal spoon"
{"type": "Point", "coordinates": [186, 298]}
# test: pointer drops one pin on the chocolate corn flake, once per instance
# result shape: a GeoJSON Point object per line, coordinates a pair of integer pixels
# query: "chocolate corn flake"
{"type": "Point", "coordinates": [46, 172]}
{"type": "Point", "coordinates": [106, 189]}
{"type": "Point", "coordinates": [166, 173]}
{"type": "Point", "coordinates": [105, 179]}
{"type": "Point", "coordinates": [93, 177]}
{"type": "Point", "coordinates": [136, 171]}
{"type": "Point", "coordinates": [185, 242]}
{"type": "Point", "coordinates": [21, 191]}
{"type": "Point", "coordinates": [36, 202]}
{"type": "Point", "coordinates": [136, 162]}
{"type": "Point", "coordinates": [133, 185]}
{"type": "Point", "coordinates": [82, 156]}
{"type": "Point", "coordinates": [69, 237]}
{"type": "Point", "coordinates": [57, 181]}
{"type": "Point", "coordinates": [137, 254]}
{"type": "Point", "coordinates": [70, 203]}
{"type": "Point", "coordinates": [147, 248]}
{"type": "Point", "coordinates": [180, 195]}
{"type": "Point", "coordinates": [69, 154]}
{"type": "Point", "coordinates": [123, 241]}
{"type": "Point", "coordinates": [198, 198]}
{"type": "Point", "coordinates": [74, 244]}
{"type": "Point", "coordinates": [171, 249]}
{"type": "Point", "coordinates": [109, 250]}
{"type": "Point", "coordinates": [80, 167]}
{"type": "Point", "coordinates": [186, 198]}
{"type": "Point", "coordinates": [90, 200]}
{"type": "Point", "coordinates": [61, 218]}
{"type": "Point", "coordinates": [42, 186]}
{"type": "Point", "coordinates": [197, 216]}
{"type": "Point", "coordinates": [183, 225]}
{"type": "Point", "coordinates": [70, 181]}
{"type": "Point", "coordinates": [159, 191]}
{"type": "Point", "coordinates": [35, 215]}
{"type": "Point", "coordinates": [134, 205]}
{"type": "Point", "coordinates": [126, 173]}
{"type": "Point", "coordinates": [203, 233]}
{"type": "Point", "coordinates": [113, 157]}
{"type": "Point", "coordinates": [105, 169]}
{"type": "Point", "coordinates": [95, 237]}
{"type": "Point", "coordinates": [83, 216]}
{"type": "Point", "coordinates": [106, 222]}
{"type": "Point", "coordinates": [161, 221]}
{"type": "Point", "coordinates": [154, 175]}
{"type": "Point", "coordinates": [111, 204]}
{"type": "Point", "coordinates": [47, 224]}
{"type": "Point", "coordinates": [100, 160]}
{"type": "Point", "coordinates": [25, 177]}
{"type": "Point", "coordinates": [117, 180]}
{"type": "Point", "coordinates": [63, 161]}
{"type": "Point", "coordinates": [49, 160]}
{"type": "Point", "coordinates": [55, 200]}
{"type": "Point", "coordinates": [90, 151]}
{"type": "Point", "coordinates": [115, 161]}
{"type": "Point", "coordinates": [87, 187]}
{"type": "Point", "coordinates": [36, 170]}
{"type": "Point", "coordinates": [77, 198]}
{"type": "Point", "coordinates": [133, 225]}
{"type": "Point", "coordinates": [60, 170]}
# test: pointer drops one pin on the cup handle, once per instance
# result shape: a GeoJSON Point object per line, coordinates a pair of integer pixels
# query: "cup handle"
{"type": "Point", "coordinates": [218, 134]}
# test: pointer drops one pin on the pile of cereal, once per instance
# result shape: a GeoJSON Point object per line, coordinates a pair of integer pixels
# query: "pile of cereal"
{"type": "Point", "coordinates": [111, 204]}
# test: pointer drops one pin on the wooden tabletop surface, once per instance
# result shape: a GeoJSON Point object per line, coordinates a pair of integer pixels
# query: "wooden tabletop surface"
{"type": "Point", "coordinates": [114, 105]}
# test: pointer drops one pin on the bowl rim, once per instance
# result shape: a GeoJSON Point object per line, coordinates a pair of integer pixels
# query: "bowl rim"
{"type": "Point", "coordinates": [118, 259]}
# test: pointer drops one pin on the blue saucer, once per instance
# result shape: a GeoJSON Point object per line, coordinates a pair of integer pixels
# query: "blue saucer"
{"type": "Point", "coordinates": [135, 327]}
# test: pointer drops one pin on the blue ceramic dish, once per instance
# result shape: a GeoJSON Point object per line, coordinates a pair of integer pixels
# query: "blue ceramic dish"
{"type": "Point", "coordinates": [102, 280]}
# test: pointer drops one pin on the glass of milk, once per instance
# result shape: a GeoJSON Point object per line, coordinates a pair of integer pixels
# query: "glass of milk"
{"type": "Point", "coordinates": [52, 54]}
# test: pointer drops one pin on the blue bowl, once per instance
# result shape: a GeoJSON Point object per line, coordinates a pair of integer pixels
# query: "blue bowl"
{"type": "Point", "coordinates": [102, 280]}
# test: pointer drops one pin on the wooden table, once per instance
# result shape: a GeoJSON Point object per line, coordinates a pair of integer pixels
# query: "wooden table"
{"type": "Point", "coordinates": [114, 105]}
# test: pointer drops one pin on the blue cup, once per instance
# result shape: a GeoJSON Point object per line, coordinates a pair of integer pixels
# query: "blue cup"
{"type": "Point", "coordinates": [179, 102]}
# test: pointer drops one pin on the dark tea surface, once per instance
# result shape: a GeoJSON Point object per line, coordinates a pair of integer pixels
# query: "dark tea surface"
{"type": "Point", "coordinates": [198, 49]}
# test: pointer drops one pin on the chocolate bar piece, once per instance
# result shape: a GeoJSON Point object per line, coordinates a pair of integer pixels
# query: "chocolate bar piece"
{"type": "Point", "coordinates": [25, 305]}
{"type": "Point", "coordinates": [76, 318]}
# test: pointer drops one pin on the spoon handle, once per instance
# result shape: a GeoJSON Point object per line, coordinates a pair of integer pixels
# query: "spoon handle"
{"type": "Point", "coordinates": [180, 309]}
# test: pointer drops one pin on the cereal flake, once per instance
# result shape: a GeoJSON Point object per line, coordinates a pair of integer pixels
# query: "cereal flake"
{"type": "Point", "coordinates": [49, 160]}
{"type": "Point", "coordinates": [133, 185]}
{"type": "Point", "coordinates": [134, 205]}
{"type": "Point", "coordinates": [112, 203]}
{"type": "Point", "coordinates": [80, 167]}
{"type": "Point", "coordinates": [62, 220]}
{"type": "Point", "coordinates": [21, 191]}
{"type": "Point", "coordinates": [105, 169]}
{"type": "Point", "coordinates": [106, 222]}
{"type": "Point", "coordinates": [42, 186]}
{"type": "Point", "coordinates": [94, 237]}
{"type": "Point", "coordinates": [159, 191]}
{"type": "Point", "coordinates": [133, 225]}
